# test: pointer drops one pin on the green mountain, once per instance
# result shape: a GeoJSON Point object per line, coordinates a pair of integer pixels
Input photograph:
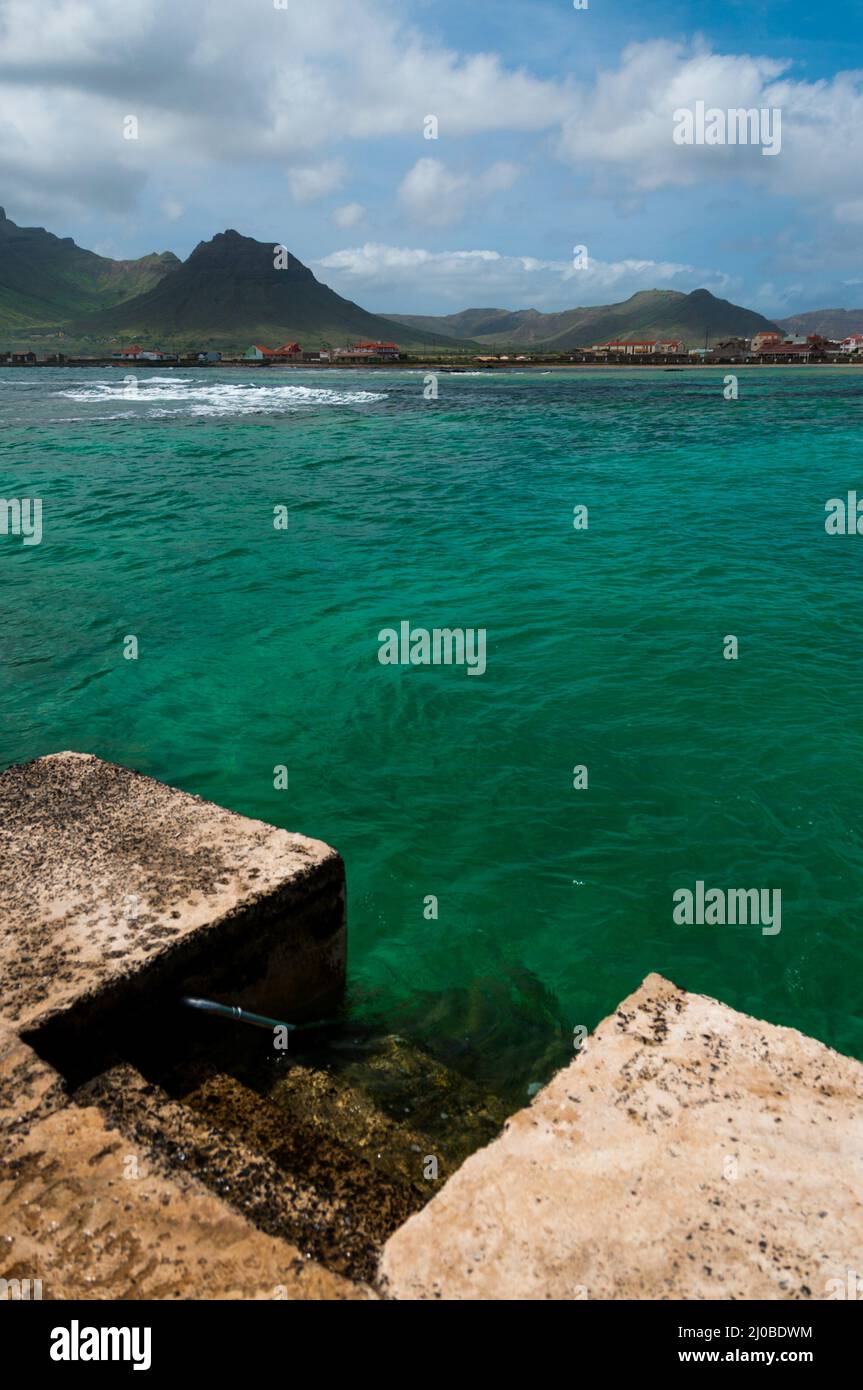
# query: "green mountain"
{"type": "Point", "coordinates": [648, 314]}
{"type": "Point", "coordinates": [46, 280]}
{"type": "Point", "coordinates": [229, 292]}
{"type": "Point", "coordinates": [830, 323]}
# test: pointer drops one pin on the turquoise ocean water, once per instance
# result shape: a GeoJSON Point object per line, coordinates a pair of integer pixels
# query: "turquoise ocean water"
{"type": "Point", "coordinates": [605, 648]}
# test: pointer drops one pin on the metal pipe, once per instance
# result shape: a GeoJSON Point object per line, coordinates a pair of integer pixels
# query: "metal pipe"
{"type": "Point", "coordinates": [207, 1006]}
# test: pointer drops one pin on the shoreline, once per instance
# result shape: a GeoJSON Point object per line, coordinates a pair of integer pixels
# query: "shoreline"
{"type": "Point", "coordinates": [422, 364]}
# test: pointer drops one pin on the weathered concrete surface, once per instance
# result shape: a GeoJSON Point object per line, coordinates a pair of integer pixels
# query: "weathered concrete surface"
{"type": "Point", "coordinates": [29, 1088]}
{"type": "Point", "coordinates": [692, 1152]}
{"type": "Point", "coordinates": [116, 886]}
{"type": "Point", "coordinates": [78, 1214]}
{"type": "Point", "coordinates": [84, 1210]}
{"type": "Point", "coordinates": [118, 895]}
{"type": "Point", "coordinates": [289, 1178]}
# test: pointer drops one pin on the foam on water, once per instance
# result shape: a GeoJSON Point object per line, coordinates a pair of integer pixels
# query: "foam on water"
{"type": "Point", "coordinates": [198, 396]}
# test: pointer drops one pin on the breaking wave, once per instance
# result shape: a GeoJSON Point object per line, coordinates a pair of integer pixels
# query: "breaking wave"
{"type": "Point", "coordinates": [216, 398]}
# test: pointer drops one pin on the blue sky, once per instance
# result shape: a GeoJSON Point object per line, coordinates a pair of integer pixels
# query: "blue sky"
{"type": "Point", "coordinates": [304, 123]}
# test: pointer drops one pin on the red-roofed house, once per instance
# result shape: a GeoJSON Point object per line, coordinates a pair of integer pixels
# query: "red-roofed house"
{"type": "Point", "coordinates": [139, 354]}
{"type": "Point", "coordinates": [388, 351]}
{"type": "Point", "coordinates": [765, 342]}
{"type": "Point", "coordinates": [643, 348]}
{"type": "Point", "coordinates": [813, 346]}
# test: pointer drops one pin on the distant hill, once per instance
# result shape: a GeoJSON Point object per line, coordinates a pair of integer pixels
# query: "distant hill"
{"type": "Point", "coordinates": [230, 291]}
{"type": "Point", "coordinates": [47, 280]}
{"type": "Point", "coordinates": [486, 325]}
{"type": "Point", "coordinates": [648, 314]}
{"type": "Point", "coordinates": [229, 294]}
{"type": "Point", "coordinates": [831, 323]}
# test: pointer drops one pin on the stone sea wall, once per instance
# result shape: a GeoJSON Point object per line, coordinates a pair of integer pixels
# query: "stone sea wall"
{"type": "Point", "coordinates": [688, 1152]}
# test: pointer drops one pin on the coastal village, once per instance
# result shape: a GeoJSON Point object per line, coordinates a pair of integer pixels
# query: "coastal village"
{"type": "Point", "coordinates": [765, 348]}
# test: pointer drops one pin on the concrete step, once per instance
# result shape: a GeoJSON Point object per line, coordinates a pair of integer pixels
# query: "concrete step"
{"type": "Point", "coordinates": [331, 1150]}
{"type": "Point", "coordinates": [291, 1180]}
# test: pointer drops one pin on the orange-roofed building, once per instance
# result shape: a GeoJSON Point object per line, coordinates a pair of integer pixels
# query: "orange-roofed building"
{"type": "Point", "coordinates": [376, 349]}
{"type": "Point", "coordinates": [765, 341]}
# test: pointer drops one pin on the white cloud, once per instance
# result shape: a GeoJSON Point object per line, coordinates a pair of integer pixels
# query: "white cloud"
{"type": "Point", "coordinates": [435, 196]}
{"type": "Point", "coordinates": [316, 181]}
{"type": "Point", "coordinates": [349, 215]}
{"type": "Point", "coordinates": [212, 85]}
{"type": "Point", "coordinates": [474, 277]}
{"type": "Point", "coordinates": [264, 91]}
{"type": "Point", "coordinates": [499, 177]}
{"type": "Point", "coordinates": [623, 125]}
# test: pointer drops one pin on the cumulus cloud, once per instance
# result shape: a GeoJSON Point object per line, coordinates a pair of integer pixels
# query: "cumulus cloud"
{"type": "Point", "coordinates": [349, 214]}
{"type": "Point", "coordinates": [288, 83]}
{"type": "Point", "coordinates": [205, 86]}
{"type": "Point", "coordinates": [437, 197]}
{"type": "Point", "coordinates": [487, 277]}
{"type": "Point", "coordinates": [624, 123]}
{"type": "Point", "coordinates": [291, 93]}
{"type": "Point", "coordinates": [432, 194]}
{"type": "Point", "coordinates": [316, 181]}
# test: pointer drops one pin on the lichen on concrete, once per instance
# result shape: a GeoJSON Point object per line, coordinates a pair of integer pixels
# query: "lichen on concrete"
{"type": "Point", "coordinates": [689, 1152]}
{"type": "Point", "coordinates": [692, 1152]}
{"type": "Point", "coordinates": [115, 883]}
{"type": "Point", "coordinates": [121, 893]}
{"type": "Point", "coordinates": [83, 1209]}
